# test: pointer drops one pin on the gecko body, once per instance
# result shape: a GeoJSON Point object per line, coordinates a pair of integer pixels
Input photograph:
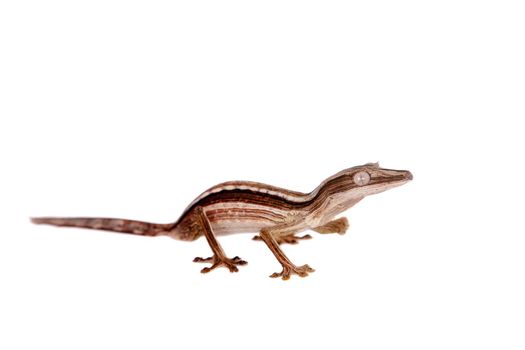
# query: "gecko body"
{"type": "Point", "coordinates": [277, 214]}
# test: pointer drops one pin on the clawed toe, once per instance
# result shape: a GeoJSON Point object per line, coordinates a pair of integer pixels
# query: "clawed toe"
{"type": "Point", "coordinates": [238, 261]}
{"type": "Point", "coordinates": [287, 271]}
{"type": "Point", "coordinates": [199, 259]}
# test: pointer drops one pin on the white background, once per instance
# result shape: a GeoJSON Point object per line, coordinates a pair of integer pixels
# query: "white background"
{"type": "Point", "coordinates": [131, 109]}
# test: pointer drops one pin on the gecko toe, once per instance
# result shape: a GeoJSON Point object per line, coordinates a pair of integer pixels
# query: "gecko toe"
{"type": "Point", "coordinates": [238, 261]}
{"type": "Point", "coordinates": [233, 268]}
{"type": "Point", "coordinates": [199, 259]}
{"type": "Point", "coordinates": [307, 268]}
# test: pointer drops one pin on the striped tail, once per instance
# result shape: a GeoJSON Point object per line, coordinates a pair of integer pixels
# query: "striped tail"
{"type": "Point", "coordinates": [107, 224]}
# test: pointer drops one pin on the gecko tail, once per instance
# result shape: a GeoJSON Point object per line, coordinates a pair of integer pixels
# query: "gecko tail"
{"type": "Point", "coordinates": [107, 224]}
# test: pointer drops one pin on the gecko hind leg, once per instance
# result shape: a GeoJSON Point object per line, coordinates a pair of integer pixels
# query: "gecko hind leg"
{"type": "Point", "coordinates": [290, 238]}
{"type": "Point", "coordinates": [219, 258]}
{"type": "Point", "coordinates": [335, 226]}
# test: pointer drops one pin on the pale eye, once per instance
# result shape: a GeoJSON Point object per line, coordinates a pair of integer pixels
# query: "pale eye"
{"type": "Point", "coordinates": [362, 178]}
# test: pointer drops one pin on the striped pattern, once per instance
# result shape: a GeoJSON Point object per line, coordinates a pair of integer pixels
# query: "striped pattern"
{"type": "Point", "coordinates": [244, 206]}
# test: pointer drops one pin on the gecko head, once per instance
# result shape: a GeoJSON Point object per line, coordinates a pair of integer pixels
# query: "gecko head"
{"type": "Point", "coordinates": [370, 178]}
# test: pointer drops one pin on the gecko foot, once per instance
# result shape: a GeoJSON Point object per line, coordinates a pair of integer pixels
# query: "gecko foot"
{"type": "Point", "coordinates": [287, 271]}
{"type": "Point", "coordinates": [290, 239]}
{"type": "Point", "coordinates": [230, 264]}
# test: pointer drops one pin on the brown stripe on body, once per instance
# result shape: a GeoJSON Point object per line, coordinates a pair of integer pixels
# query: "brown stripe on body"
{"type": "Point", "coordinates": [254, 187]}
{"type": "Point", "coordinates": [238, 198]}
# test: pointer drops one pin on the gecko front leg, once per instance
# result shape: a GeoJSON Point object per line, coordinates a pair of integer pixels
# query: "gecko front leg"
{"type": "Point", "coordinates": [219, 257]}
{"type": "Point", "coordinates": [268, 236]}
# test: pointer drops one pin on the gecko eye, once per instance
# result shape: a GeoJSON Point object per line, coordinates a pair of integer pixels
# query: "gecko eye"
{"type": "Point", "coordinates": [362, 178]}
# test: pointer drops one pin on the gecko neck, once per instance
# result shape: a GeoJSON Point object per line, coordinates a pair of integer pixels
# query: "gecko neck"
{"type": "Point", "coordinates": [332, 197]}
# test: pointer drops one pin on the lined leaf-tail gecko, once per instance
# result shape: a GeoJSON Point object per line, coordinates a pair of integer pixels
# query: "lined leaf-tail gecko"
{"type": "Point", "coordinates": [276, 214]}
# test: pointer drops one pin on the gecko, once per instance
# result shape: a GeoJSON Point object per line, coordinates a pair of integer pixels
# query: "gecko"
{"type": "Point", "coordinates": [278, 215]}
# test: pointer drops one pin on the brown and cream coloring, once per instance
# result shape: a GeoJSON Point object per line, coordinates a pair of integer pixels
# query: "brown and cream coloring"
{"type": "Point", "coordinates": [277, 214]}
